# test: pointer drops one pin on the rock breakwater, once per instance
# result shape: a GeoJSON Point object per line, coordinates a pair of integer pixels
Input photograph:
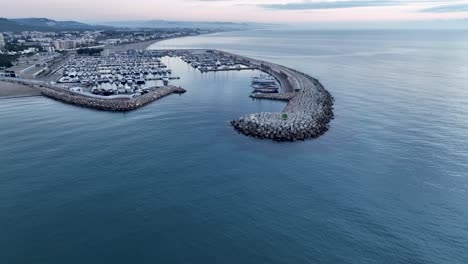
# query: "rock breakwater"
{"type": "Point", "coordinates": [274, 96]}
{"type": "Point", "coordinates": [121, 105]}
{"type": "Point", "coordinates": [306, 115]}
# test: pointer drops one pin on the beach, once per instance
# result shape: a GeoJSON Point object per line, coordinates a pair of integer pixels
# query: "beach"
{"type": "Point", "coordinates": [14, 90]}
{"type": "Point", "coordinates": [134, 46]}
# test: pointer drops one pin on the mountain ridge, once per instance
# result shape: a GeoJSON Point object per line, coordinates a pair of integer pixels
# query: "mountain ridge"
{"type": "Point", "coordinates": [44, 24]}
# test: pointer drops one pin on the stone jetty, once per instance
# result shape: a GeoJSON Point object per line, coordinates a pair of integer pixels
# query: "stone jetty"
{"type": "Point", "coordinates": [83, 100]}
{"type": "Point", "coordinates": [307, 114]}
{"type": "Point", "coordinates": [274, 96]}
{"type": "Point", "coordinates": [120, 105]}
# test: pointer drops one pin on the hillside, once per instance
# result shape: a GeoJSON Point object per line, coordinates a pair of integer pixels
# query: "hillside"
{"type": "Point", "coordinates": [183, 24]}
{"type": "Point", "coordinates": [43, 24]}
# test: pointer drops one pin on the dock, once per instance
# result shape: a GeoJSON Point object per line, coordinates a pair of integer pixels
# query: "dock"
{"type": "Point", "coordinates": [229, 69]}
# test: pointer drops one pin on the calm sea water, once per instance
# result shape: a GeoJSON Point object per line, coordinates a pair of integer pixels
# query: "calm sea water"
{"type": "Point", "coordinates": [173, 183]}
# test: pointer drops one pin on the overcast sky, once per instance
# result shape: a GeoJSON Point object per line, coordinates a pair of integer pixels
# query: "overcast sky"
{"type": "Point", "coordinates": [279, 11]}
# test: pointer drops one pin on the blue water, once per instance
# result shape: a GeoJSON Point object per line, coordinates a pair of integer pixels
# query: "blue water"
{"type": "Point", "coordinates": [173, 183]}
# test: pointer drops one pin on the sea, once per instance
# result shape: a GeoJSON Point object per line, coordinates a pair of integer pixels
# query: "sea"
{"type": "Point", "coordinates": [172, 182]}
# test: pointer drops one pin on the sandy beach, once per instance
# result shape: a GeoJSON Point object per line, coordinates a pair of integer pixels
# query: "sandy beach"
{"type": "Point", "coordinates": [136, 46]}
{"type": "Point", "coordinates": [12, 90]}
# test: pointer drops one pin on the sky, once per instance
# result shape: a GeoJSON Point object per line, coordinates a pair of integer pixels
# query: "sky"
{"type": "Point", "coordinates": [271, 11]}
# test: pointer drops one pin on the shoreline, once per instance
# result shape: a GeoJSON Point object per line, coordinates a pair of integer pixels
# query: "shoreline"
{"type": "Point", "coordinates": [134, 46]}
{"type": "Point", "coordinates": [141, 45]}
{"type": "Point", "coordinates": [10, 90]}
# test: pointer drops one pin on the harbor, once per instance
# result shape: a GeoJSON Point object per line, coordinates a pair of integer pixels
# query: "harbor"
{"type": "Point", "coordinates": [307, 113]}
{"type": "Point", "coordinates": [129, 72]}
{"type": "Point", "coordinates": [211, 61]}
{"type": "Point", "coordinates": [127, 80]}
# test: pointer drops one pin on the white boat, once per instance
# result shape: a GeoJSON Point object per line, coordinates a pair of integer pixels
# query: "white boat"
{"type": "Point", "coordinates": [165, 80]}
{"type": "Point", "coordinates": [264, 80]}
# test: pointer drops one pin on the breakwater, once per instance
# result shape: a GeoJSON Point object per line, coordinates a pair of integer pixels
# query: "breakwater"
{"type": "Point", "coordinates": [274, 96]}
{"type": "Point", "coordinates": [98, 103]}
{"type": "Point", "coordinates": [120, 105]}
{"type": "Point", "coordinates": [306, 115]}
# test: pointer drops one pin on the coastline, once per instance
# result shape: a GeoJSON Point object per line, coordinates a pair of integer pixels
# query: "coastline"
{"type": "Point", "coordinates": [140, 45]}
{"type": "Point", "coordinates": [135, 46]}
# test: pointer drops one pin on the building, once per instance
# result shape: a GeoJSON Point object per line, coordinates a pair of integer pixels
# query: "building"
{"type": "Point", "coordinates": [8, 73]}
{"type": "Point", "coordinates": [64, 44]}
{"type": "Point", "coordinates": [70, 44]}
{"type": "Point", "coordinates": [59, 44]}
{"type": "Point", "coordinates": [2, 41]}
{"type": "Point", "coordinates": [49, 49]}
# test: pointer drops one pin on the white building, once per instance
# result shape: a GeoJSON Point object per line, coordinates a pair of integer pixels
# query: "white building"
{"type": "Point", "coordinates": [64, 44]}
{"type": "Point", "coordinates": [49, 49]}
{"type": "Point", "coordinates": [2, 42]}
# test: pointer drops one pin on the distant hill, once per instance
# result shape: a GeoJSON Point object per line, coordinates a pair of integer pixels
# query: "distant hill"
{"type": "Point", "coordinates": [7, 25]}
{"type": "Point", "coordinates": [183, 24]}
{"type": "Point", "coordinates": [43, 24]}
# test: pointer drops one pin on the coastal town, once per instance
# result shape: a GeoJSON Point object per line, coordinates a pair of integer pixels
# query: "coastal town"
{"type": "Point", "coordinates": [29, 53]}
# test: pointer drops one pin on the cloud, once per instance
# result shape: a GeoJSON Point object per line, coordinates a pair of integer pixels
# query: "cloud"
{"type": "Point", "coordinates": [447, 9]}
{"type": "Point", "coordinates": [317, 5]}
{"type": "Point", "coordinates": [306, 5]}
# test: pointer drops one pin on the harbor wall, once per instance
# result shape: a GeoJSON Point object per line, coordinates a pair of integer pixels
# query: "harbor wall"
{"type": "Point", "coordinates": [307, 114]}
{"type": "Point", "coordinates": [117, 105]}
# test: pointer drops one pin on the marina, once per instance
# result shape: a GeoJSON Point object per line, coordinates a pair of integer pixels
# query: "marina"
{"type": "Point", "coordinates": [209, 60]}
{"type": "Point", "coordinates": [130, 72]}
{"type": "Point", "coordinates": [125, 81]}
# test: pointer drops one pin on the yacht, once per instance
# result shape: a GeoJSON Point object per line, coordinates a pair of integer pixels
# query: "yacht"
{"type": "Point", "coordinates": [264, 80]}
